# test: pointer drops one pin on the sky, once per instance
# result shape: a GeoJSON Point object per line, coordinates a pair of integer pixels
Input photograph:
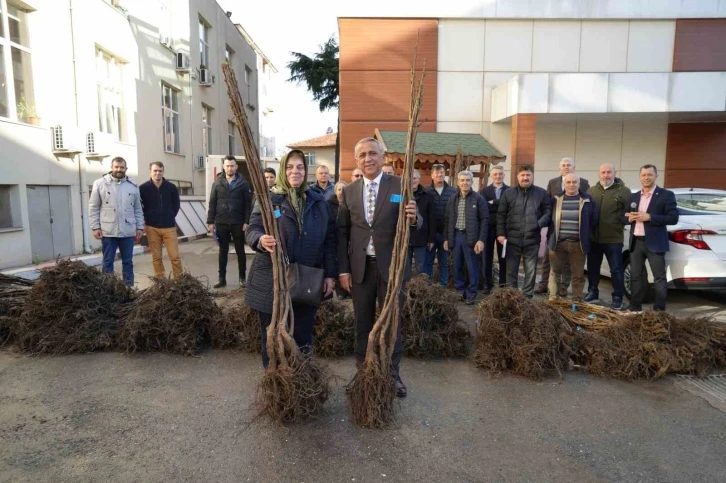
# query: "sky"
{"type": "Point", "coordinates": [278, 27]}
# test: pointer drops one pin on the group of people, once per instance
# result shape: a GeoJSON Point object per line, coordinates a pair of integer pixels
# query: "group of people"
{"type": "Point", "coordinates": [347, 231]}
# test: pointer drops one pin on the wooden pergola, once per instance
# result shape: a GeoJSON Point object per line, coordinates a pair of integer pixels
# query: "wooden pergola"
{"type": "Point", "coordinates": [441, 148]}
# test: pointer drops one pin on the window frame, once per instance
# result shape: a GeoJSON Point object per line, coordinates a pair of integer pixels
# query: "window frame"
{"type": "Point", "coordinates": [207, 130]}
{"type": "Point", "coordinates": [248, 77]}
{"type": "Point", "coordinates": [174, 114]}
{"type": "Point", "coordinates": [231, 143]}
{"type": "Point", "coordinates": [310, 158]}
{"type": "Point", "coordinates": [204, 50]}
{"type": "Point", "coordinates": [7, 46]}
{"type": "Point", "coordinates": [113, 91]}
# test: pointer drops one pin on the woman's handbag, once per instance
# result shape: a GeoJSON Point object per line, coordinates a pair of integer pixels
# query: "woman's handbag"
{"type": "Point", "coordinates": [305, 283]}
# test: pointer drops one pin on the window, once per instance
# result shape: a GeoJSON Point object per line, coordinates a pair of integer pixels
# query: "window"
{"type": "Point", "coordinates": [207, 129]}
{"type": "Point", "coordinates": [248, 82]}
{"type": "Point", "coordinates": [228, 55]}
{"type": "Point", "coordinates": [701, 204]}
{"type": "Point", "coordinates": [164, 21]}
{"type": "Point", "coordinates": [15, 64]}
{"type": "Point", "coordinates": [203, 43]}
{"type": "Point", "coordinates": [170, 114]}
{"type": "Point", "coordinates": [231, 128]}
{"type": "Point", "coordinates": [10, 216]}
{"type": "Point", "coordinates": [310, 158]}
{"type": "Point", "coordinates": [109, 81]}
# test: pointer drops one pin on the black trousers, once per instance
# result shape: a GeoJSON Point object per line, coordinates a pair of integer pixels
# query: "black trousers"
{"type": "Point", "coordinates": [488, 265]}
{"type": "Point", "coordinates": [514, 255]}
{"type": "Point", "coordinates": [227, 233]}
{"type": "Point", "coordinates": [302, 332]}
{"type": "Point", "coordinates": [365, 295]}
{"type": "Point", "coordinates": [638, 274]}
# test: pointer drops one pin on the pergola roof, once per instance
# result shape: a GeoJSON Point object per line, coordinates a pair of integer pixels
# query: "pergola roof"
{"type": "Point", "coordinates": [441, 144]}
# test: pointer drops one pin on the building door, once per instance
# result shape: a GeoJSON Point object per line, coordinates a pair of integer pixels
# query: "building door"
{"type": "Point", "coordinates": [49, 211]}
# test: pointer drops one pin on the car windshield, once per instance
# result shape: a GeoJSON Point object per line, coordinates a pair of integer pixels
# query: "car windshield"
{"type": "Point", "coordinates": [701, 204]}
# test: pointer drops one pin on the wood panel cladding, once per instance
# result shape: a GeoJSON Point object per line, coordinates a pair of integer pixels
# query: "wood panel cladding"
{"type": "Point", "coordinates": [696, 155]}
{"type": "Point", "coordinates": [387, 44]}
{"type": "Point", "coordinates": [700, 45]}
{"type": "Point", "coordinates": [383, 96]}
{"type": "Point", "coordinates": [524, 135]}
{"type": "Point", "coordinates": [375, 82]}
{"type": "Point", "coordinates": [352, 132]}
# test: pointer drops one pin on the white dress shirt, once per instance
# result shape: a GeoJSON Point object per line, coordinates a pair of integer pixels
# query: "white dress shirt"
{"type": "Point", "coordinates": [370, 251]}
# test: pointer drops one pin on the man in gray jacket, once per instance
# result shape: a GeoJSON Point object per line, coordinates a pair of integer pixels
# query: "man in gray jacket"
{"type": "Point", "coordinates": [116, 217]}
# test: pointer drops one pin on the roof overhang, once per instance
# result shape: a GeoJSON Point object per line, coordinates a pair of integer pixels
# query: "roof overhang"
{"type": "Point", "coordinates": [570, 95]}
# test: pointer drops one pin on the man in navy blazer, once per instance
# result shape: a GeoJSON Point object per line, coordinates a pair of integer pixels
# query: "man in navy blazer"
{"type": "Point", "coordinates": [492, 195]}
{"type": "Point", "coordinates": [649, 212]}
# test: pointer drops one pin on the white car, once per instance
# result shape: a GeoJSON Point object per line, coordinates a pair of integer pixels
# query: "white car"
{"type": "Point", "coordinates": [697, 256]}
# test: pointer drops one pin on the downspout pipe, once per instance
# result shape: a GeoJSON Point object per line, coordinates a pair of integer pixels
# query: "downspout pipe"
{"type": "Point", "coordinates": [85, 228]}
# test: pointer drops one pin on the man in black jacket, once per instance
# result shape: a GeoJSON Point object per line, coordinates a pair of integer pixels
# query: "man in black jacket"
{"type": "Point", "coordinates": [467, 224]}
{"type": "Point", "coordinates": [523, 211]}
{"type": "Point", "coordinates": [556, 186]}
{"type": "Point", "coordinates": [492, 195]}
{"type": "Point", "coordinates": [160, 202]}
{"type": "Point", "coordinates": [421, 241]}
{"type": "Point", "coordinates": [229, 215]}
{"type": "Point", "coordinates": [441, 193]}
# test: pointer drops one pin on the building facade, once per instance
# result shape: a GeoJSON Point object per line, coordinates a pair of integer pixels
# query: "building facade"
{"type": "Point", "coordinates": [319, 151]}
{"type": "Point", "coordinates": [84, 81]}
{"type": "Point", "coordinates": [599, 81]}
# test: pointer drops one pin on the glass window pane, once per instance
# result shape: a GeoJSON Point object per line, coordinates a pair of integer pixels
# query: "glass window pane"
{"type": "Point", "coordinates": [175, 137]}
{"type": "Point", "coordinates": [2, 31]}
{"type": "Point", "coordinates": [174, 100]}
{"type": "Point", "coordinates": [23, 83]}
{"type": "Point", "coordinates": [3, 85]}
{"type": "Point", "coordinates": [18, 27]}
{"type": "Point", "coordinates": [202, 32]}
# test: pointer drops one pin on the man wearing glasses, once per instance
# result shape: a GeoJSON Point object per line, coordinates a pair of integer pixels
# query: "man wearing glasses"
{"type": "Point", "coordinates": [357, 174]}
{"type": "Point", "coordinates": [441, 192]}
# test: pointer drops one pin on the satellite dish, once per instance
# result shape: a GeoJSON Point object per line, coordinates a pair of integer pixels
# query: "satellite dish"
{"type": "Point", "coordinates": [329, 130]}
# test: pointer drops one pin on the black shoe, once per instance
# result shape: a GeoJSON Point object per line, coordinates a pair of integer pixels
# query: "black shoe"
{"type": "Point", "coordinates": [593, 296]}
{"type": "Point", "coordinates": [541, 288]}
{"type": "Point", "coordinates": [487, 290]}
{"type": "Point", "coordinates": [634, 308]}
{"type": "Point", "coordinates": [463, 298]}
{"type": "Point", "coordinates": [400, 387]}
{"type": "Point", "coordinates": [242, 283]}
{"type": "Point", "coordinates": [617, 303]}
{"type": "Point", "coordinates": [221, 283]}
{"type": "Point", "coordinates": [471, 301]}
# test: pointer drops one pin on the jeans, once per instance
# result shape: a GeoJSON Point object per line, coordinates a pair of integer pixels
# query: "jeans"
{"type": "Point", "coordinates": [638, 275]}
{"type": "Point", "coordinates": [569, 252]}
{"type": "Point", "coordinates": [488, 265]}
{"type": "Point", "coordinates": [126, 247]}
{"type": "Point", "coordinates": [443, 257]}
{"type": "Point", "coordinates": [464, 256]}
{"type": "Point", "coordinates": [303, 332]}
{"type": "Point", "coordinates": [614, 254]}
{"type": "Point", "coordinates": [514, 253]}
{"type": "Point", "coordinates": [420, 255]}
{"type": "Point", "coordinates": [167, 237]}
{"type": "Point", "coordinates": [238, 235]}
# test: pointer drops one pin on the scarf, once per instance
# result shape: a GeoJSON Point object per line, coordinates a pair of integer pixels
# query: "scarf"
{"type": "Point", "coordinates": [296, 196]}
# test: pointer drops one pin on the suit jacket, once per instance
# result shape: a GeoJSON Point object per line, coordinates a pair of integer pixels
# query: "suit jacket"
{"type": "Point", "coordinates": [663, 211]}
{"type": "Point", "coordinates": [490, 194]}
{"type": "Point", "coordinates": [554, 187]}
{"type": "Point", "coordinates": [354, 232]}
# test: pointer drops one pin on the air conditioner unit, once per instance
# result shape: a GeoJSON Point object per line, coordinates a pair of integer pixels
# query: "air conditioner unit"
{"type": "Point", "coordinates": [63, 141]}
{"type": "Point", "coordinates": [205, 78]}
{"type": "Point", "coordinates": [182, 62]}
{"type": "Point", "coordinates": [200, 163]}
{"type": "Point", "coordinates": [165, 40]}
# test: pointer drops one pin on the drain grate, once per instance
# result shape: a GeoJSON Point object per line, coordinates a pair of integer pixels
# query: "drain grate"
{"type": "Point", "coordinates": [711, 388]}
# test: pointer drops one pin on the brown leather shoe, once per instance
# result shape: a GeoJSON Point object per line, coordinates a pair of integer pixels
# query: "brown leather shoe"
{"type": "Point", "coordinates": [563, 292]}
{"type": "Point", "coordinates": [540, 289]}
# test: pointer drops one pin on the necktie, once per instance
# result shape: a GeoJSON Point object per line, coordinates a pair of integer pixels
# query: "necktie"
{"type": "Point", "coordinates": [371, 210]}
{"type": "Point", "coordinates": [371, 201]}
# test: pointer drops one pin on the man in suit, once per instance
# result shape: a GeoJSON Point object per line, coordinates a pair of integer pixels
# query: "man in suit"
{"type": "Point", "coordinates": [492, 195]}
{"type": "Point", "coordinates": [555, 187]}
{"type": "Point", "coordinates": [366, 224]}
{"type": "Point", "coordinates": [649, 213]}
